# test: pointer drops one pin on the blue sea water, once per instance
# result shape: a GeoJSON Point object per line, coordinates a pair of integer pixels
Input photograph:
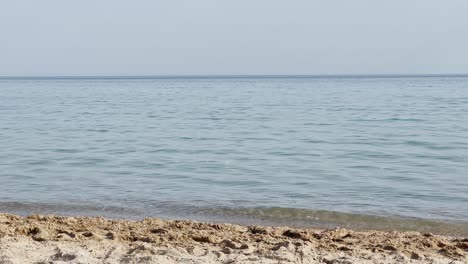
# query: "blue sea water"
{"type": "Point", "coordinates": [312, 150]}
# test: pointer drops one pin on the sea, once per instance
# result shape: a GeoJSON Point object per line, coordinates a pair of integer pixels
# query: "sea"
{"type": "Point", "coordinates": [363, 152]}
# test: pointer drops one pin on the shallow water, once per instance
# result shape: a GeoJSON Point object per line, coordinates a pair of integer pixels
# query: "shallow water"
{"type": "Point", "coordinates": [392, 147]}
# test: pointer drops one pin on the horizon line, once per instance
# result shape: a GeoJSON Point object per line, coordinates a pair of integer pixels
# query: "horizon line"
{"type": "Point", "coordinates": [233, 76]}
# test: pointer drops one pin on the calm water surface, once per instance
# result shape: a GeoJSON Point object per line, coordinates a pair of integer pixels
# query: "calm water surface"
{"type": "Point", "coordinates": [281, 148]}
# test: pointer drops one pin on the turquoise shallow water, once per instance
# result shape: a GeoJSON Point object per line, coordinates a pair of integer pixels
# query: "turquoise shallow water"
{"type": "Point", "coordinates": [260, 148]}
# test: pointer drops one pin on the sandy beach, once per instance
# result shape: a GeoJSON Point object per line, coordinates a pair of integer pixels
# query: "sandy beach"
{"type": "Point", "coordinates": [55, 239]}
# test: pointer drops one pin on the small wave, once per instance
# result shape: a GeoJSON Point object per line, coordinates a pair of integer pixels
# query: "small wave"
{"type": "Point", "coordinates": [389, 120]}
{"type": "Point", "coordinates": [417, 143]}
{"type": "Point", "coordinates": [330, 219]}
{"type": "Point", "coordinates": [256, 215]}
{"type": "Point", "coordinates": [98, 130]}
{"type": "Point", "coordinates": [26, 208]}
{"type": "Point", "coordinates": [66, 150]}
{"type": "Point", "coordinates": [430, 145]}
{"type": "Point", "coordinates": [318, 124]}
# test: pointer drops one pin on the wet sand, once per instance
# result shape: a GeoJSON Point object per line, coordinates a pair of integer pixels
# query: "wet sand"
{"type": "Point", "coordinates": [55, 239]}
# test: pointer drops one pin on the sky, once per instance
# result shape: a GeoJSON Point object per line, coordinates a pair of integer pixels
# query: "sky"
{"type": "Point", "coordinates": [237, 37]}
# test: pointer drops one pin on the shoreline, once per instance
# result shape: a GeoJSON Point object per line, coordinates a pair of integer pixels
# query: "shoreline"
{"type": "Point", "coordinates": [57, 239]}
{"type": "Point", "coordinates": [266, 216]}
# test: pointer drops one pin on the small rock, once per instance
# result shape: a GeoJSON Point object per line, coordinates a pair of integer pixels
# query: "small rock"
{"type": "Point", "coordinates": [441, 244]}
{"type": "Point", "coordinates": [61, 256]}
{"type": "Point", "coordinates": [38, 234]}
{"type": "Point", "coordinates": [344, 248]}
{"type": "Point", "coordinates": [216, 226]}
{"type": "Point", "coordinates": [229, 244]}
{"type": "Point", "coordinates": [347, 236]}
{"type": "Point", "coordinates": [159, 231]}
{"type": "Point", "coordinates": [205, 239]}
{"type": "Point", "coordinates": [87, 234]}
{"type": "Point", "coordinates": [298, 244]}
{"type": "Point", "coordinates": [110, 235]}
{"type": "Point", "coordinates": [244, 246]}
{"type": "Point", "coordinates": [390, 247]}
{"type": "Point", "coordinates": [462, 245]}
{"type": "Point", "coordinates": [68, 233]}
{"type": "Point", "coordinates": [34, 231]}
{"type": "Point", "coordinates": [257, 230]}
{"type": "Point", "coordinates": [292, 234]}
{"type": "Point", "coordinates": [335, 261]}
{"type": "Point", "coordinates": [415, 255]}
{"type": "Point", "coordinates": [317, 236]}
{"type": "Point", "coordinates": [280, 245]}
{"type": "Point", "coordinates": [227, 250]}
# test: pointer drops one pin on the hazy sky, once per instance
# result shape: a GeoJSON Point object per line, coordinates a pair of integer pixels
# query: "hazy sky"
{"type": "Point", "coordinates": [190, 37]}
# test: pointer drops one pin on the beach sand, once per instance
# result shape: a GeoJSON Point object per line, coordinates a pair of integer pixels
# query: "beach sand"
{"type": "Point", "coordinates": [55, 239]}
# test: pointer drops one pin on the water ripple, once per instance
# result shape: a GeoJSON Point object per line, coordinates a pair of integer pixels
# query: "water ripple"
{"type": "Point", "coordinates": [249, 147]}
